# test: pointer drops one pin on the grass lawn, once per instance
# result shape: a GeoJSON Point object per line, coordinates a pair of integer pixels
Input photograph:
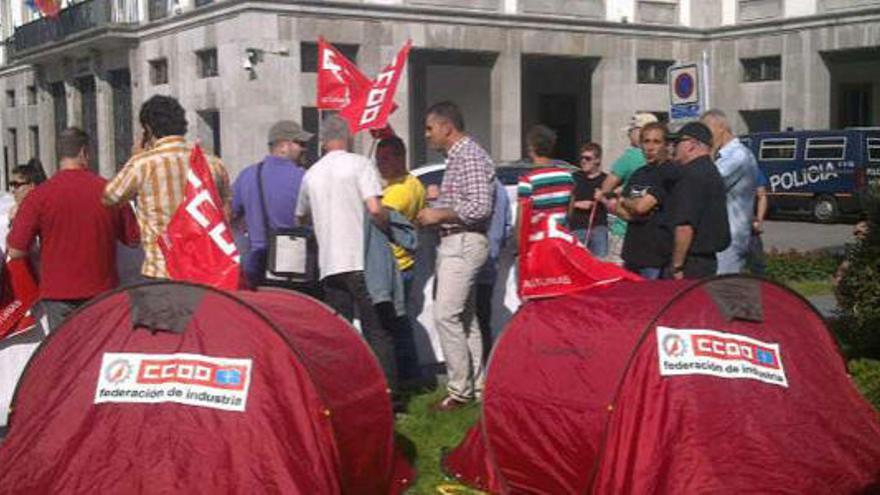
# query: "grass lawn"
{"type": "Point", "coordinates": [424, 433]}
{"type": "Point", "coordinates": [808, 288]}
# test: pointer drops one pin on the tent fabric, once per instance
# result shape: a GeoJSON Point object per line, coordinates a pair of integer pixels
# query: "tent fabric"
{"type": "Point", "coordinates": [312, 387]}
{"type": "Point", "coordinates": [575, 401]}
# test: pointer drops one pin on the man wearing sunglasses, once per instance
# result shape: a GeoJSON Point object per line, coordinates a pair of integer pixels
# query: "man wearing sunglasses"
{"type": "Point", "coordinates": [698, 206]}
{"type": "Point", "coordinates": [582, 220]}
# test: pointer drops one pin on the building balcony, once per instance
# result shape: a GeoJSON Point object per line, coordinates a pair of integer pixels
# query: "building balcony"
{"type": "Point", "coordinates": [81, 20]}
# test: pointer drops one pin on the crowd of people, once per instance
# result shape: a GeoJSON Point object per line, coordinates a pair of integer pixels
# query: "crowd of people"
{"type": "Point", "coordinates": [672, 206]}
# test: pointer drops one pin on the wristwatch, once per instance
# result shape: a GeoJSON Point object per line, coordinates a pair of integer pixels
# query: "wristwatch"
{"type": "Point", "coordinates": [677, 269]}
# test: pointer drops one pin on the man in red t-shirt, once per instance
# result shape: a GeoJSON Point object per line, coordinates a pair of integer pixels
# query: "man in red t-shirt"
{"type": "Point", "coordinates": [77, 233]}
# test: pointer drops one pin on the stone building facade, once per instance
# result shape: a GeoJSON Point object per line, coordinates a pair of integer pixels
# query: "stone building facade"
{"type": "Point", "coordinates": [580, 66]}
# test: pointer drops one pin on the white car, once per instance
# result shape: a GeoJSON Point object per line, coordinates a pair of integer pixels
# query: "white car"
{"type": "Point", "coordinates": [504, 299]}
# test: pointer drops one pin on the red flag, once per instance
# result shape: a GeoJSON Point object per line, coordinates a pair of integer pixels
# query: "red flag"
{"type": "Point", "coordinates": [20, 292]}
{"type": "Point", "coordinates": [370, 109]}
{"type": "Point", "coordinates": [49, 8]}
{"type": "Point", "coordinates": [553, 263]}
{"type": "Point", "coordinates": [339, 80]}
{"type": "Point", "coordinates": [197, 244]}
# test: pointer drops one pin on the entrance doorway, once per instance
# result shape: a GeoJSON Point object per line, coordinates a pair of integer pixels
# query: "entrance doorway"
{"type": "Point", "coordinates": [556, 93]}
{"type": "Point", "coordinates": [855, 87]}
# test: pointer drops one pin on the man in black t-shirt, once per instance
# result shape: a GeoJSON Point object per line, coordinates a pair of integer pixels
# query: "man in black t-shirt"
{"type": "Point", "coordinates": [647, 247]}
{"type": "Point", "coordinates": [698, 206]}
{"type": "Point", "coordinates": [586, 182]}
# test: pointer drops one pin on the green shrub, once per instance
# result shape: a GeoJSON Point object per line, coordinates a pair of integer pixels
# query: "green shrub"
{"type": "Point", "coordinates": [793, 266]}
{"type": "Point", "coordinates": [866, 373]}
{"type": "Point", "coordinates": [858, 293]}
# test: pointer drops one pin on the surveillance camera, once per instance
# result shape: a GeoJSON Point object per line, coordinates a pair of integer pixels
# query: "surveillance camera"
{"type": "Point", "coordinates": [247, 65]}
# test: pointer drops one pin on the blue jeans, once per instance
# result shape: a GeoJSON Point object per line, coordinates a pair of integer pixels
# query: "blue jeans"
{"type": "Point", "coordinates": [646, 272]}
{"type": "Point", "coordinates": [405, 351]}
{"type": "Point", "coordinates": [598, 242]}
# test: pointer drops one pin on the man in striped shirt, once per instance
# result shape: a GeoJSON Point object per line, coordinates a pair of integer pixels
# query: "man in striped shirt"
{"type": "Point", "coordinates": [156, 177]}
{"type": "Point", "coordinates": [550, 185]}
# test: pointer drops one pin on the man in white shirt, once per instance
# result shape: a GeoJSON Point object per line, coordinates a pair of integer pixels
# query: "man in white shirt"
{"type": "Point", "coordinates": [739, 169]}
{"type": "Point", "coordinates": [335, 193]}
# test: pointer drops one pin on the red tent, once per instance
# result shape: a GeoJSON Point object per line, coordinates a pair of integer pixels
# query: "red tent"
{"type": "Point", "coordinates": [171, 387]}
{"type": "Point", "coordinates": [731, 385]}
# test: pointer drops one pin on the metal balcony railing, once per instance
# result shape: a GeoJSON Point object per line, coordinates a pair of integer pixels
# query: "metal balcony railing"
{"type": "Point", "coordinates": [72, 20]}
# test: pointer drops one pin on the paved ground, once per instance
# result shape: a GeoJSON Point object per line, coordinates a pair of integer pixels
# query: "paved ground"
{"type": "Point", "coordinates": [805, 236]}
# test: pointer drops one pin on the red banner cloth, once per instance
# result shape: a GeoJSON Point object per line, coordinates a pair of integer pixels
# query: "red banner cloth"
{"type": "Point", "coordinates": [553, 263]}
{"type": "Point", "coordinates": [340, 82]}
{"type": "Point", "coordinates": [49, 8]}
{"type": "Point", "coordinates": [197, 244]}
{"type": "Point", "coordinates": [19, 294]}
{"type": "Point", "coordinates": [370, 109]}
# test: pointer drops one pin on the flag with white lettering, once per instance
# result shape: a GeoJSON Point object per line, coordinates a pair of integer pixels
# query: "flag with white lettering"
{"type": "Point", "coordinates": [370, 109]}
{"type": "Point", "coordinates": [339, 80]}
{"type": "Point", "coordinates": [197, 244]}
{"type": "Point", "coordinates": [553, 263]}
{"type": "Point", "coordinates": [18, 294]}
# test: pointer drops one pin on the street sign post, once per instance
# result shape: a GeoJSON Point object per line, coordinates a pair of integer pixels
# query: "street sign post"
{"type": "Point", "coordinates": [685, 94]}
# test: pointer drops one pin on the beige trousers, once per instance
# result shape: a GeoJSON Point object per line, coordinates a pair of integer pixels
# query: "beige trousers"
{"type": "Point", "coordinates": [459, 258]}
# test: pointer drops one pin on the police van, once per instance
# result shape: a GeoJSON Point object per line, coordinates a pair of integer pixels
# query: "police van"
{"type": "Point", "coordinates": [822, 172]}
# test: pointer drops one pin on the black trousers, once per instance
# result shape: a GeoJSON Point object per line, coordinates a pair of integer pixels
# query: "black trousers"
{"type": "Point", "coordinates": [57, 310]}
{"type": "Point", "coordinates": [484, 316]}
{"type": "Point", "coordinates": [347, 292]}
{"type": "Point", "coordinates": [700, 266]}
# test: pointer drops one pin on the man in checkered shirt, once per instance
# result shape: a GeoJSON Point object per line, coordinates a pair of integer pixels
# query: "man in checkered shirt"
{"type": "Point", "coordinates": [462, 213]}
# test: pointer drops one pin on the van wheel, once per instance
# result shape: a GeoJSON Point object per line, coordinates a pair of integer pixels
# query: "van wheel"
{"type": "Point", "coordinates": [825, 209]}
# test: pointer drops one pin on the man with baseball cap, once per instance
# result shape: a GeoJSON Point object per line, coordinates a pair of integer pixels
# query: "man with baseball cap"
{"type": "Point", "coordinates": [280, 175]}
{"type": "Point", "coordinates": [621, 170]}
{"type": "Point", "coordinates": [698, 206]}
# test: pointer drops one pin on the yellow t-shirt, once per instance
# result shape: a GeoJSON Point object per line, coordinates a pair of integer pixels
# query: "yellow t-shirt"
{"type": "Point", "coordinates": [405, 195]}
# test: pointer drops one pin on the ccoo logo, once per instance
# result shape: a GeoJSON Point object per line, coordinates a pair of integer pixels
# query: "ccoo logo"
{"type": "Point", "coordinates": [674, 346]}
{"type": "Point", "coordinates": [118, 371]}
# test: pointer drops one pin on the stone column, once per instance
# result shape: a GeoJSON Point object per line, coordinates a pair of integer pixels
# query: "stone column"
{"type": "Point", "coordinates": [106, 131]}
{"type": "Point", "coordinates": [74, 103]}
{"type": "Point", "coordinates": [806, 101]}
{"type": "Point", "coordinates": [613, 81]}
{"type": "Point", "coordinates": [507, 103]}
{"type": "Point", "coordinates": [817, 87]}
{"type": "Point", "coordinates": [143, 11]}
{"type": "Point", "coordinates": [185, 5]}
{"type": "Point", "coordinates": [6, 28]}
{"type": "Point", "coordinates": [46, 122]}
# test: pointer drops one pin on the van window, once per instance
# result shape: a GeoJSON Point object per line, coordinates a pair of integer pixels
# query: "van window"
{"type": "Point", "coordinates": [874, 149]}
{"type": "Point", "coordinates": [826, 148]}
{"type": "Point", "coordinates": [778, 149]}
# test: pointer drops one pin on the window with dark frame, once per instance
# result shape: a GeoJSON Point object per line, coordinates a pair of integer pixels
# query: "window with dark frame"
{"type": "Point", "coordinates": [874, 149]}
{"type": "Point", "coordinates": [308, 55]}
{"type": "Point", "coordinates": [207, 63]}
{"type": "Point", "coordinates": [778, 149]}
{"type": "Point", "coordinates": [159, 71]}
{"type": "Point", "coordinates": [311, 123]}
{"type": "Point", "coordinates": [829, 148]}
{"type": "Point", "coordinates": [32, 95]}
{"type": "Point", "coordinates": [653, 71]}
{"type": "Point", "coordinates": [157, 9]}
{"type": "Point", "coordinates": [762, 69]}
{"type": "Point", "coordinates": [209, 131]}
{"type": "Point", "coordinates": [10, 98]}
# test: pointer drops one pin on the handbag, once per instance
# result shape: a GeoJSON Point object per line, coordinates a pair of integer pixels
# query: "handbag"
{"type": "Point", "coordinates": [292, 253]}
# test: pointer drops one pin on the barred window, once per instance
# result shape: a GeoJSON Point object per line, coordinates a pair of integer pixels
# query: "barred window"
{"type": "Point", "coordinates": [762, 69]}
{"type": "Point", "coordinates": [778, 149]}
